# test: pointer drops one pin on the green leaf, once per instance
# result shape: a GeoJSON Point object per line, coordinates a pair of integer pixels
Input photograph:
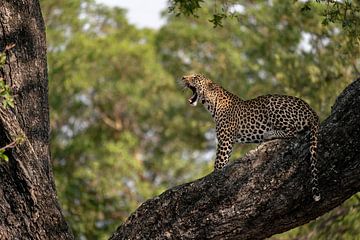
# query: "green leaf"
{"type": "Point", "coordinates": [217, 19]}
{"type": "Point", "coordinates": [2, 59]}
{"type": "Point", "coordinates": [5, 94]}
{"type": "Point", "coordinates": [306, 7]}
{"type": "Point", "coordinates": [3, 156]}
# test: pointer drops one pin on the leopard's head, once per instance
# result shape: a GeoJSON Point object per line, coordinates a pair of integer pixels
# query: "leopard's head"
{"type": "Point", "coordinates": [202, 88]}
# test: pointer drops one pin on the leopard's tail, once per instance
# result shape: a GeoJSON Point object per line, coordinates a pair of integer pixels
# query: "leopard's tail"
{"type": "Point", "coordinates": [313, 160]}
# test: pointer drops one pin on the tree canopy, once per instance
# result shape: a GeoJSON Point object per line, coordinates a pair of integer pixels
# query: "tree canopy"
{"type": "Point", "coordinates": [342, 13]}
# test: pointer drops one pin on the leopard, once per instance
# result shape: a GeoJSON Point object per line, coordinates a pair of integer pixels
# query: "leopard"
{"type": "Point", "coordinates": [264, 118]}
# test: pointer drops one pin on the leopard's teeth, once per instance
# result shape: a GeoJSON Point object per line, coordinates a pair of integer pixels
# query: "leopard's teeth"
{"type": "Point", "coordinates": [194, 103]}
{"type": "Point", "coordinates": [193, 99]}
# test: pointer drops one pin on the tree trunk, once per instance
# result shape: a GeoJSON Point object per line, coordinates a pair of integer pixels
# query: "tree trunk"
{"type": "Point", "coordinates": [28, 205]}
{"type": "Point", "coordinates": [266, 192]}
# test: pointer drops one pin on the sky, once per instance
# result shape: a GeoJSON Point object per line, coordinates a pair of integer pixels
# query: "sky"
{"type": "Point", "coordinates": [142, 13]}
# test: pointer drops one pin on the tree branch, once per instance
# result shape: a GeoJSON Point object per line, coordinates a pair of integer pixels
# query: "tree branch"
{"type": "Point", "coordinates": [269, 185]}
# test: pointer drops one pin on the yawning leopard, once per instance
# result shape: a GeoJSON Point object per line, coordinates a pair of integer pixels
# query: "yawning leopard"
{"type": "Point", "coordinates": [252, 121]}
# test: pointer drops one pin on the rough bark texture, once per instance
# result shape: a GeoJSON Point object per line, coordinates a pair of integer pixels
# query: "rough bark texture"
{"type": "Point", "coordinates": [28, 203]}
{"type": "Point", "coordinates": [266, 192]}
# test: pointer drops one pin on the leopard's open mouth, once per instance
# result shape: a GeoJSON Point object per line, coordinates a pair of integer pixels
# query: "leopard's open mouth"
{"type": "Point", "coordinates": [194, 98]}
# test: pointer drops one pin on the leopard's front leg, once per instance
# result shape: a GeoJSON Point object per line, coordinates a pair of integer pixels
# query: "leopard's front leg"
{"type": "Point", "coordinates": [223, 152]}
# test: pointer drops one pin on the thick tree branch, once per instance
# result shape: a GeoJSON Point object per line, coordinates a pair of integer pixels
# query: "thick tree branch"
{"type": "Point", "coordinates": [266, 192]}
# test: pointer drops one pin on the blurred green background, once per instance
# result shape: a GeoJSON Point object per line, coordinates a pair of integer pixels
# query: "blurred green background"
{"type": "Point", "coordinates": [121, 129]}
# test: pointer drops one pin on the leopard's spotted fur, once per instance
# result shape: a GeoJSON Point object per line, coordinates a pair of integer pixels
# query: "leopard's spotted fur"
{"type": "Point", "coordinates": [252, 121]}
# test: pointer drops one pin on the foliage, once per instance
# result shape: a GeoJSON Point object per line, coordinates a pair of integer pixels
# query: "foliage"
{"type": "Point", "coordinates": [5, 91]}
{"type": "Point", "coordinates": [185, 7]}
{"type": "Point", "coordinates": [346, 13]}
{"type": "Point", "coordinates": [3, 156]}
{"type": "Point", "coordinates": [7, 101]}
{"type": "Point", "coordinates": [122, 131]}
{"type": "Point", "coordinates": [5, 94]}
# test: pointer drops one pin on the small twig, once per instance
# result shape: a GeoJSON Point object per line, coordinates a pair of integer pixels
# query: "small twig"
{"type": "Point", "coordinates": [13, 143]}
{"type": "Point", "coordinates": [9, 47]}
{"type": "Point", "coordinates": [10, 145]}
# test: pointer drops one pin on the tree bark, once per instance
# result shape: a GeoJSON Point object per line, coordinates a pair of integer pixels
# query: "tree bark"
{"type": "Point", "coordinates": [28, 205]}
{"type": "Point", "coordinates": [268, 191]}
